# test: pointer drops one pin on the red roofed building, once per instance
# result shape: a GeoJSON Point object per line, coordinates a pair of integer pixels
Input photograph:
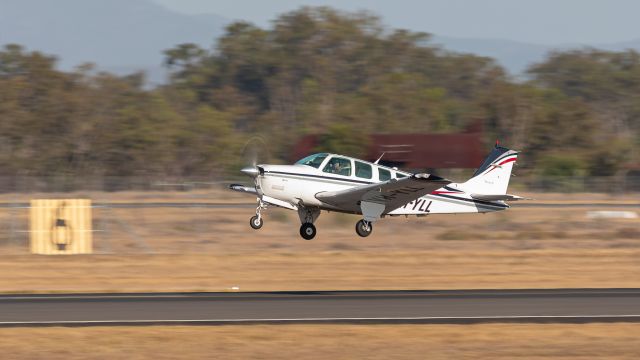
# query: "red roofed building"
{"type": "Point", "coordinates": [464, 150]}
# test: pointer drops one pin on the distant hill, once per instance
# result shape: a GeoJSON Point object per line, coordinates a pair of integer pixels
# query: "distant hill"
{"type": "Point", "coordinates": [118, 35]}
{"type": "Point", "coordinates": [620, 46]}
{"type": "Point", "coordinates": [515, 56]}
{"type": "Point", "coordinates": [123, 36]}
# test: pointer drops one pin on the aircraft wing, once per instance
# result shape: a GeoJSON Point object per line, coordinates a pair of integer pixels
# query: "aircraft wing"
{"type": "Point", "coordinates": [376, 199]}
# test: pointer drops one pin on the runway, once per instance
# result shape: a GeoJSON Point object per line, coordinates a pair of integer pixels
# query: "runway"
{"type": "Point", "coordinates": [368, 307]}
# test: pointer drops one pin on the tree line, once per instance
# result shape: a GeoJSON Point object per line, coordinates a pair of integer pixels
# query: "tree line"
{"type": "Point", "coordinates": [314, 70]}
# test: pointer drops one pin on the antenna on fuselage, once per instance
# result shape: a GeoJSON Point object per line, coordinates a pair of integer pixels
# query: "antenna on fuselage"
{"type": "Point", "coordinates": [380, 158]}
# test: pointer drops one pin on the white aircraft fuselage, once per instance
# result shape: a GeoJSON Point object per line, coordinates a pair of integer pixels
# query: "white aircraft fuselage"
{"type": "Point", "coordinates": [334, 182]}
{"type": "Point", "coordinates": [299, 184]}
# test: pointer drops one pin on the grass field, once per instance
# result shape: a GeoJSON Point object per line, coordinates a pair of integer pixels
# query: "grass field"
{"type": "Point", "coordinates": [495, 341]}
{"type": "Point", "coordinates": [336, 270]}
{"type": "Point", "coordinates": [198, 249]}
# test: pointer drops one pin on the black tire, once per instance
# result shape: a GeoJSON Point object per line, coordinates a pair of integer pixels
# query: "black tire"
{"type": "Point", "coordinates": [308, 231]}
{"type": "Point", "coordinates": [256, 223]}
{"type": "Point", "coordinates": [362, 230]}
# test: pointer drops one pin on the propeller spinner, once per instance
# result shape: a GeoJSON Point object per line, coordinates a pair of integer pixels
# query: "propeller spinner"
{"type": "Point", "coordinates": [251, 171]}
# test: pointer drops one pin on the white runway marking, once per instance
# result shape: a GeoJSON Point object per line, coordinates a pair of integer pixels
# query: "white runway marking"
{"type": "Point", "coordinates": [426, 318]}
{"type": "Point", "coordinates": [390, 293]}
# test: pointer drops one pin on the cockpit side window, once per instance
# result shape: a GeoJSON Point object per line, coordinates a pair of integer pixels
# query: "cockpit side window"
{"type": "Point", "coordinates": [363, 170]}
{"type": "Point", "coordinates": [384, 175]}
{"type": "Point", "coordinates": [339, 166]}
{"type": "Point", "coordinates": [314, 160]}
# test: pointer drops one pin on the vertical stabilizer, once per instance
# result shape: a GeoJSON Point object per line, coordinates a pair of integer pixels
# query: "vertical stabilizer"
{"type": "Point", "coordinates": [493, 175]}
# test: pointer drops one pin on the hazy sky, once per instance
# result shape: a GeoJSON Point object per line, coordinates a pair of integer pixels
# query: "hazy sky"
{"type": "Point", "coordinates": [540, 21]}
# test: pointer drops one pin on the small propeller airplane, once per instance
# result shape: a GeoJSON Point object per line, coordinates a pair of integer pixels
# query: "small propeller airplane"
{"type": "Point", "coordinates": [333, 182]}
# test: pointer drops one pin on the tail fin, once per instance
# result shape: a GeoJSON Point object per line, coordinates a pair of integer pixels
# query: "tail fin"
{"type": "Point", "coordinates": [493, 175]}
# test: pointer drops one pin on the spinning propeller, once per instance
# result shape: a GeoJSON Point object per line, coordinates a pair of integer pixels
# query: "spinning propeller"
{"type": "Point", "coordinates": [254, 148]}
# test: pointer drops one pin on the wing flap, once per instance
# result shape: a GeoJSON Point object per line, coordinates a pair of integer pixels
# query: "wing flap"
{"type": "Point", "coordinates": [502, 197]}
{"type": "Point", "coordinates": [392, 194]}
{"type": "Point", "coordinates": [279, 203]}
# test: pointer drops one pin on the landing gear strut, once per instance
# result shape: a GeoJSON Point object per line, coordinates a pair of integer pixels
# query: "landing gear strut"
{"type": "Point", "coordinates": [256, 221]}
{"type": "Point", "coordinates": [364, 228]}
{"type": "Point", "coordinates": [308, 216]}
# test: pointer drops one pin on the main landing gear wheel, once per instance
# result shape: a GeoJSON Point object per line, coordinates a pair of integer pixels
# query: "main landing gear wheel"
{"type": "Point", "coordinates": [364, 228]}
{"type": "Point", "coordinates": [308, 231]}
{"type": "Point", "coordinates": [256, 222]}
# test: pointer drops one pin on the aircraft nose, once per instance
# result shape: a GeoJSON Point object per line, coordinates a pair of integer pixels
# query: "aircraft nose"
{"type": "Point", "coordinates": [250, 171]}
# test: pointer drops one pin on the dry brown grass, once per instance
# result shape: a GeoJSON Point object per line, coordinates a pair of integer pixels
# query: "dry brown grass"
{"type": "Point", "coordinates": [337, 270]}
{"type": "Point", "coordinates": [195, 249]}
{"type": "Point", "coordinates": [592, 341]}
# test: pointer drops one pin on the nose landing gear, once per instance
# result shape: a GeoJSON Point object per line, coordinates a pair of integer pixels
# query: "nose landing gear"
{"type": "Point", "coordinates": [256, 221]}
{"type": "Point", "coordinates": [364, 228]}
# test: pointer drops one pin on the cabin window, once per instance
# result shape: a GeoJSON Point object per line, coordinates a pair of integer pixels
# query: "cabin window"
{"type": "Point", "coordinates": [314, 160]}
{"type": "Point", "coordinates": [339, 166]}
{"type": "Point", "coordinates": [384, 175]}
{"type": "Point", "coordinates": [400, 176]}
{"type": "Point", "coordinates": [363, 170]}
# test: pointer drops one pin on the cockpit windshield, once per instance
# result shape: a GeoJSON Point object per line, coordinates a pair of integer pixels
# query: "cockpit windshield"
{"type": "Point", "coordinates": [314, 160]}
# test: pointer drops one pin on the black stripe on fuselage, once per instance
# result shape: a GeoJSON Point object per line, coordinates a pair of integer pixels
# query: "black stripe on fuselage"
{"type": "Point", "coordinates": [321, 177]}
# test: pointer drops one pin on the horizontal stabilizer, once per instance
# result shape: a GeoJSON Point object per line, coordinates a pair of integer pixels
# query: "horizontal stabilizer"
{"type": "Point", "coordinates": [497, 197]}
{"type": "Point", "coordinates": [242, 188]}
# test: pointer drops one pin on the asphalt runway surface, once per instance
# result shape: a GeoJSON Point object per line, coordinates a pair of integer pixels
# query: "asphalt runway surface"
{"type": "Point", "coordinates": [368, 307]}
